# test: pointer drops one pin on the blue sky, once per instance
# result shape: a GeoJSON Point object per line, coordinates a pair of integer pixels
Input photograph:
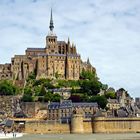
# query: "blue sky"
{"type": "Point", "coordinates": [106, 31]}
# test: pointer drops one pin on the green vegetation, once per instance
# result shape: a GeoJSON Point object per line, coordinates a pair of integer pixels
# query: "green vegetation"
{"type": "Point", "coordinates": [7, 88]}
{"type": "Point", "coordinates": [84, 90]}
{"type": "Point", "coordinates": [111, 95]}
{"type": "Point", "coordinates": [101, 100]}
{"type": "Point", "coordinates": [88, 75]}
{"type": "Point", "coordinates": [91, 87]}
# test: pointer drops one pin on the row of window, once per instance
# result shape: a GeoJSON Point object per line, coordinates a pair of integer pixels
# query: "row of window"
{"type": "Point", "coordinates": [52, 39]}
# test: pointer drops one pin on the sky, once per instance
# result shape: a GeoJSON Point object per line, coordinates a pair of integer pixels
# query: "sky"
{"type": "Point", "coordinates": [105, 31]}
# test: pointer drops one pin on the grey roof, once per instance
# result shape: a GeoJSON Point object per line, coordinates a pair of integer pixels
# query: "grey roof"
{"type": "Point", "coordinates": [34, 49]}
{"type": "Point", "coordinates": [122, 113]}
{"type": "Point", "coordinates": [84, 104]}
{"type": "Point", "coordinates": [9, 123]}
{"type": "Point", "coordinates": [66, 104]}
{"type": "Point", "coordinates": [51, 54]}
{"type": "Point", "coordinates": [60, 90]}
{"type": "Point", "coordinates": [54, 105]}
{"type": "Point", "coordinates": [61, 42]}
{"type": "Point", "coordinates": [99, 114]}
{"type": "Point", "coordinates": [113, 101]}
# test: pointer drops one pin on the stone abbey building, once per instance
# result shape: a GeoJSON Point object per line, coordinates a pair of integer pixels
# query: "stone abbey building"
{"type": "Point", "coordinates": [59, 59]}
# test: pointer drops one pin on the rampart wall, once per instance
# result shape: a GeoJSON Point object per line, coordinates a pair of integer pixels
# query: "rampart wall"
{"type": "Point", "coordinates": [97, 125]}
{"type": "Point", "coordinates": [42, 127]}
{"type": "Point", "coordinates": [116, 125]}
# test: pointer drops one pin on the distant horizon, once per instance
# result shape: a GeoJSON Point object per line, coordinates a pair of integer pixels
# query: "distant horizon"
{"type": "Point", "coordinates": [106, 32]}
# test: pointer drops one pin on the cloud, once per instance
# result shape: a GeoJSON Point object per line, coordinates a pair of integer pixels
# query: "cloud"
{"type": "Point", "coordinates": [106, 31]}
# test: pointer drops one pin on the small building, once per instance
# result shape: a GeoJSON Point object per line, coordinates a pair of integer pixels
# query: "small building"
{"type": "Point", "coordinates": [113, 104]}
{"type": "Point", "coordinates": [9, 125]}
{"type": "Point", "coordinates": [137, 102]}
{"type": "Point", "coordinates": [88, 109]}
{"type": "Point", "coordinates": [63, 110]}
{"type": "Point", "coordinates": [53, 112]}
{"type": "Point", "coordinates": [63, 92]}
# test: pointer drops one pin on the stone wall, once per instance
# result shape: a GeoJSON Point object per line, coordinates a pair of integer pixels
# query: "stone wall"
{"type": "Point", "coordinates": [43, 127]}
{"type": "Point", "coordinates": [97, 125]}
{"type": "Point", "coordinates": [88, 126]}
{"type": "Point", "coordinates": [116, 125]}
{"type": "Point", "coordinates": [8, 105]}
{"type": "Point", "coordinates": [31, 109]}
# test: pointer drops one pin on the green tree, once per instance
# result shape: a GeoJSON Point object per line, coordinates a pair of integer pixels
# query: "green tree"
{"type": "Point", "coordinates": [111, 95]}
{"type": "Point", "coordinates": [28, 91]}
{"type": "Point", "coordinates": [48, 97]}
{"type": "Point", "coordinates": [91, 87]}
{"type": "Point", "coordinates": [27, 98]}
{"type": "Point", "coordinates": [87, 75]}
{"type": "Point", "coordinates": [42, 91]}
{"type": "Point", "coordinates": [101, 100]}
{"type": "Point", "coordinates": [41, 81]}
{"type": "Point", "coordinates": [37, 90]}
{"type": "Point", "coordinates": [56, 98]}
{"type": "Point", "coordinates": [7, 88]}
{"type": "Point", "coordinates": [32, 76]}
{"type": "Point", "coordinates": [84, 97]}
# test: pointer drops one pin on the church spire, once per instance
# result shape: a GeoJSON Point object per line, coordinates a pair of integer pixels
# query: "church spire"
{"type": "Point", "coordinates": [88, 62]}
{"type": "Point", "coordinates": [51, 22]}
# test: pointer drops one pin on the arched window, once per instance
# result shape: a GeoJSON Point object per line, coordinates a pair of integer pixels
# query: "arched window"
{"type": "Point", "coordinates": [59, 49]}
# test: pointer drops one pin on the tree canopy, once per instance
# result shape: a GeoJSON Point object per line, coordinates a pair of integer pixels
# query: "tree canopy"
{"type": "Point", "coordinates": [7, 88]}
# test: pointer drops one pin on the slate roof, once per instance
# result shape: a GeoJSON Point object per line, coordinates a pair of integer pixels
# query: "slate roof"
{"type": "Point", "coordinates": [51, 54]}
{"type": "Point", "coordinates": [113, 101]}
{"type": "Point", "coordinates": [61, 42]}
{"type": "Point", "coordinates": [84, 104]}
{"type": "Point", "coordinates": [122, 113]}
{"type": "Point", "coordinates": [66, 104]}
{"type": "Point", "coordinates": [54, 105]}
{"type": "Point", "coordinates": [60, 90]}
{"type": "Point", "coordinates": [9, 123]}
{"type": "Point", "coordinates": [35, 49]}
{"type": "Point", "coordinates": [98, 114]}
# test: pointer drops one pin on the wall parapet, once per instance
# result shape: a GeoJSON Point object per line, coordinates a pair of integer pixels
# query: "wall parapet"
{"type": "Point", "coordinates": [78, 125]}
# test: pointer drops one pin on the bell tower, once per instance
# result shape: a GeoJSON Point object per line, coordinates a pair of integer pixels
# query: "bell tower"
{"type": "Point", "coordinates": [51, 38]}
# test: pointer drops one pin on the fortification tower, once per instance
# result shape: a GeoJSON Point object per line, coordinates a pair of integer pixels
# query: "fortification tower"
{"type": "Point", "coordinates": [77, 123]}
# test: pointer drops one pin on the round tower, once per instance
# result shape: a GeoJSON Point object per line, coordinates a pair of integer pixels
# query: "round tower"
{"type": "Point", "coordinates": [77, 123]}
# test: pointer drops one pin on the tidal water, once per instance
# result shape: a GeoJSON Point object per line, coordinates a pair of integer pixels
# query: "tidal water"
{"type": "Point", "coordinates": [126, 136]}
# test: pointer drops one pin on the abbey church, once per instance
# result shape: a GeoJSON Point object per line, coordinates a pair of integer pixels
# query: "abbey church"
{"type": "Point", "coordinates": [59, 59]}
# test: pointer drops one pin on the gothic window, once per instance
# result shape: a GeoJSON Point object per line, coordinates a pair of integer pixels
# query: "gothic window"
{"type": "Point", "coordinates": [63, 51]}
{"type": "Point", "coordinates": [59, 49]}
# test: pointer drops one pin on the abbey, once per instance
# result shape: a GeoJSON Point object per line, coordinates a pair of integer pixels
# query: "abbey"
{"type": "Point", "coordinates": [59, 59]}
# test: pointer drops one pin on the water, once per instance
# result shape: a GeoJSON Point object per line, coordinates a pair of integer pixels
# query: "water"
{"type": "Point", "coordinates": [130, 136]}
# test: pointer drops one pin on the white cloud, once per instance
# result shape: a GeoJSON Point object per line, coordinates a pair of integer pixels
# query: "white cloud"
{"type": "Point", "coordinates": [106, 31]}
